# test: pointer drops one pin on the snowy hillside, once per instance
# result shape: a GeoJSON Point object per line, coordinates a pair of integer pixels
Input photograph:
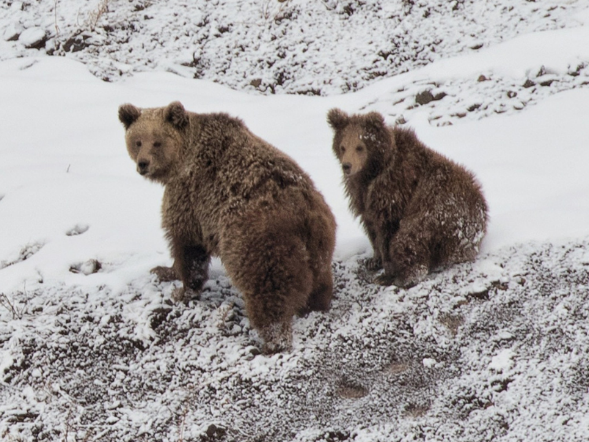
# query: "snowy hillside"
{"type": "Point", "coordinates": [316, 47]}
{"type": "Point", "coordinates": [92, 349]}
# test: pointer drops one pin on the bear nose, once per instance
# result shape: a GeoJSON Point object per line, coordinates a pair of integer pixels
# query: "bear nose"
{"type": "Point", "coordinates": [347, 167]}
{"type": "Point", "coordinates": [142, 166]}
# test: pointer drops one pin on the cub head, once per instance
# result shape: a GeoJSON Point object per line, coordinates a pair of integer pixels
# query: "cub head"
{"type": "Point", "coordinates": [155, 138]}
{"type": "Point", "coordinates": [362, 143]}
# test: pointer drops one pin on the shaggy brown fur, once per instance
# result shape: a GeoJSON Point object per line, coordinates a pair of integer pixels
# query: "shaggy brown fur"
{"type": "Point", "coordinates": [230, 194]}
{"type": "Point", "coordinates": [419, 209]}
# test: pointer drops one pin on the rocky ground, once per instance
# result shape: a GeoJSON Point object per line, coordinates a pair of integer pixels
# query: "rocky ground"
{"type": "Point", "coordinates": [294, 46]}
{"type": "Point", "coordinates": [471, 354]}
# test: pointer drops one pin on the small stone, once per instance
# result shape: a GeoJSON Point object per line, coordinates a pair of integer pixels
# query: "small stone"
{"type": "Point", "coordinates": [401, 120]}
{"type": "Point", "coordinates": [439, 96]}
{"type": "Point", "coordinates": [424, 97]}
{"type": "Point", "coordinates": [33, 38]}
{"type": "Point", "coordinates": [74, 44]}
{"type": "Point", "coordinates": [529, 83]}
{"type": "Point", "coordinates": [256, 82]}
{"type": "Point", "coordinates": [12, 32]}
{"type": "Point", "coordinates": [91, 266]}
{"type": "Point", "coordinates": [482, 78]}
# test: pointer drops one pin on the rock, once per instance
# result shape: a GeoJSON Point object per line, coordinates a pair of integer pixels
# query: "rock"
{"type": "Point", "coordinates": [74, 44]}
{"type": "Point", "coordinates": [529, 83]}
{"type": "Point", "coordinates": [439, 96]}
{"type": "Point", "coordinates": [482, 78]}
{"type": "Point", "coordinates": [12, 32]}
{"type": "Point", "coordinates": [424, 97]}
{"type": "Point", "coordinates": [33, 38]}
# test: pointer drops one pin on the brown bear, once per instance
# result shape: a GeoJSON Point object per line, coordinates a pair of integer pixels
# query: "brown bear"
{"type": "Point", "coordinates": [228, 193]}
{"type": "Point", "coordinates": [421, 211]}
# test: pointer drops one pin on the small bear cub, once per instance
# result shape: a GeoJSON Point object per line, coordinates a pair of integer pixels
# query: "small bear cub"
{"type": "Point", "coordinates": [230, 194]}
{"type": "Point", "coordinates": [421, 211]}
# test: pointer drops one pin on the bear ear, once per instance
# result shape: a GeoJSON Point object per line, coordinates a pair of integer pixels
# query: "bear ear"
{"type": "Point", "coordinates": [176, 115]}
{"type": "Point", "coordinates": [337, 119]}
{"type": "Point", "coordinates": [375, 120]}
{"type": "Point", "coordinates": [128, 114]}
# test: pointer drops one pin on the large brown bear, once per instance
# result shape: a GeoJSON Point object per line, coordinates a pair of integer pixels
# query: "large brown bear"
{"type": "Point", "coordinates": [230, 194]}
{"type": "Point", "coordinates": [420, 210]}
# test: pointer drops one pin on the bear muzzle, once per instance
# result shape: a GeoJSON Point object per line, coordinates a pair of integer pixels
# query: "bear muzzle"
{"type": "Point", "coordinates": [347, 168]}
{"type": "Point", "coordinates": [142, 167]}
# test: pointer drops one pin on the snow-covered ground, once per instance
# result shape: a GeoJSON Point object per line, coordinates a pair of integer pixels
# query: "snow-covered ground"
{"type": "Point", "coordinates": [91, 348]}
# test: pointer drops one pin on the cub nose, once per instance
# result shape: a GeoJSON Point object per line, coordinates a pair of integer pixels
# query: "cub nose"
{"type": "Point", "coordinates": [347, 167]}
{"type": "Point", "coordinates": [142, 166]}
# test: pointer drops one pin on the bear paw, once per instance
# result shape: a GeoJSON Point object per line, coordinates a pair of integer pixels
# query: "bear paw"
{"type": "Point", "coordinates": [412, 277]}
{"type": "Point", "coordinates": [277, 338]}
{"type": "Point", "coordinates": [385, 279]}
{"type": "Point", "coordinates": [184, 295]}
{"type": "Point", "coordinates": [164, 274]}
{"type": "Point", "coordinates": [373, 264]}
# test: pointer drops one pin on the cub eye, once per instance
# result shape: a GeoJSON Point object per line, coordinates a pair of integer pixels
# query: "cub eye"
{"type": "Point", "coordinates": [138, 143]}
{"type": "Point", "coordinates": [343, 149]}
{"type": "Point", "coordinates": [157, 144]}
{"type": "Point", "coordinates": [359, 149]}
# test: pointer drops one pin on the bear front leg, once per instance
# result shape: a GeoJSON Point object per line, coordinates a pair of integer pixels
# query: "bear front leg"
{"type": "Point", "coordinates": [375, 263]}
{"type": "Point", "coordinates": [191, 264]}
{"type": "Point", "coordinates": [384, 238]}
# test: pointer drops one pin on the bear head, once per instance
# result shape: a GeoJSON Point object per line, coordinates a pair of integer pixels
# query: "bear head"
{"type": "Point", "coordinates": [155, 138]}
{"type": "Point", "coordinates": [362, 143]}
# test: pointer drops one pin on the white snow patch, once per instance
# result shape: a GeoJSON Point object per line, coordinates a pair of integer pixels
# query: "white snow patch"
{"type": "Point", "coordinates": [502, 361]}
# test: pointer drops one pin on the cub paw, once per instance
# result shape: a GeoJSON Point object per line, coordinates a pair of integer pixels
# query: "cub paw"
{"type": "Point", "coordinates": [373, 264]}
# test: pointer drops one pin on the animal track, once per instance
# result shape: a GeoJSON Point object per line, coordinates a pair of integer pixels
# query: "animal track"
{"type": "Point", "coordinates": [78, 229]}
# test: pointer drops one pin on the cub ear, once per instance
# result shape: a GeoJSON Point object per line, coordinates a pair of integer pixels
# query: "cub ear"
{"type": "Point", "coordinates": [176, 115]}
{"type": "Point", "coordinates": [375, 120]}
{"type": "Point", "coordinates": [128, 114]}
{"type": "Point", "coordinates": [337, 119]}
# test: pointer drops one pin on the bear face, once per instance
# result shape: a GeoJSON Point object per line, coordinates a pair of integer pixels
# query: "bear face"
{"type": "Point", "coordinates": [353, 153]}
{"type": "Point", "coordinates": [154, 139]}
{"type": "Point", "coordinates": [362, 144]}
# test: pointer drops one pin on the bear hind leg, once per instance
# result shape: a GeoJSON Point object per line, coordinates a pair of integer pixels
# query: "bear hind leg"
{"type": "Point", "coordinates": [321, 293]}
{"type": "Point", "coordinates": [409, 259]}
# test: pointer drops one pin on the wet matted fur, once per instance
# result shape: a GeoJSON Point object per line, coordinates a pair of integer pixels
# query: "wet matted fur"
{"type": "Point", "coordinates": [230, 194]}
{"type": "Point", "coordinates": [420, 210]}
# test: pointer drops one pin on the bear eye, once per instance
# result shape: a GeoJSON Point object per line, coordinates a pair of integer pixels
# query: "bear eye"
{"type": "Point", "coordinates": [359, 149]}
{"type": "Point", "coordinates": [157, 144]}
{"type": "Point", "coordinates": [138, 143]}
{"type": "Point", "coordinates": [343, 149]}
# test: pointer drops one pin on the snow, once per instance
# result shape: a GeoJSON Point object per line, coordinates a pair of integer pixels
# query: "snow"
{"type": "Point", "coordinates": [92, 348]}
{"type": "Point", "coordinates": [502, 361]}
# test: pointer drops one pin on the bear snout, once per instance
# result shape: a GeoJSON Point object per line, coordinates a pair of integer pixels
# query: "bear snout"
{"type": "Point", "coordinates": [142, 166]}
{"type": "Point", "coordinates": [347, 168]}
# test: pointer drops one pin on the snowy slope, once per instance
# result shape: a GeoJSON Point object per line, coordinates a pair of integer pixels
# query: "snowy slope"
{"type": "Point", "coordinates": [307, 47]}
{"type": "Point", "coordinates": [494, 350]}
